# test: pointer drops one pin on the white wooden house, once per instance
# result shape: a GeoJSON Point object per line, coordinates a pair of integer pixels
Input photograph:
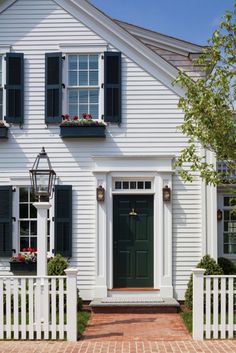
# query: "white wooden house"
{"type": "Point", "coordinates": [65, 56]}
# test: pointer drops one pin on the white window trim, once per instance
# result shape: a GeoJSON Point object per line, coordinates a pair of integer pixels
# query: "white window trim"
{"type": "Point", "coordinates": [221, 228]}
{"type": "Point", "coordinates": [77, 48]}
{"type": "Point", "coordinates": [17, 184]}
{"type": "Point", "coordinates": [65, 69]}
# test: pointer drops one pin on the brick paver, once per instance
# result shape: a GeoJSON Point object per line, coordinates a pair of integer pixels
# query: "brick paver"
{"type": "Point", "coordinates": [119, 347]}
{"type": "Point", "coordinates": [136, 327]}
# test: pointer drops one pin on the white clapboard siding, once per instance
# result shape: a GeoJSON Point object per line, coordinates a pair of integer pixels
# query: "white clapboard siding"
{"type": "Point", "coordinates": [150, 118]}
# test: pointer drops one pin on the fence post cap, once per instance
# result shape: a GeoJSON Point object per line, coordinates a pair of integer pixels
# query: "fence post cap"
{"type": "Point", "coordinates": [198, 271]}
{"type": "Point", "coordinates": [71, 271]}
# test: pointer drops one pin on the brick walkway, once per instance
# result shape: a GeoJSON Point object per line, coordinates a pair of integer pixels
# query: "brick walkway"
{"type": "Point", "coordinates": [119, 347]}
{"type": "Point", "coordinates": [127, 333]}
{"type": "Point", "coordinates": [136, 327]}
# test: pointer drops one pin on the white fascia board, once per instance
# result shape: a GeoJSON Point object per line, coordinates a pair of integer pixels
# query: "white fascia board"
{"type": "Point", "coordinates": [5, 4]}
{"type": "Point", "coordinates": [123, 41]}
{"type": "Point", "coordinates": [167, 42]}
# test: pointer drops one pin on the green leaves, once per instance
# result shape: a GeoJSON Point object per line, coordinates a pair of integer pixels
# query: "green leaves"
{"type": "Point", "coordinates": [209, 104]}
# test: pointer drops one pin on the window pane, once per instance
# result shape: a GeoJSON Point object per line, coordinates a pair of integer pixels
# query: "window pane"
{"type": "Point", "coordinates": [72, 62]}
{"type": "Point", "coordinates": [24, 228]}
{"type": "Point", "coordinates": [140, 184]}
{"type": "Point", "coordinates": [83, 96]}
{"type": "Point", "coordinates": [23, 195]}
{"type": "Point", "coordinates": [226, 215]}
{"type": "Point", "coordinates": [73, 109]}
{"type": "Point", "coordinates": [125, 185]}
{"type": "Point", "coordinates": [230, 249]}
{"type": "Point", "coordinates": [83, 108]}
{"type": "Point", "coordinates": [1, 104]}
{"type": "Point", "coordinates": [133, 185]}
{"type": "Point", "coordinates": [73, 96]}
{"type": "Point", "coordinates": [0, 71]}
{"type": "Point", "coordinates": [23, 211]}
{"type": "Point", "coordinates": [33, 227]}
{"type": "Point", "coordinates": [32, 197]}
{"type": "Point", "coordinates": [83, 62]}
{"type": "Point", "coordinates": [226, 201]}
{"type": "Point", "coordinates": [93, 96]}
{"type": "Point", "coordinates": [118, 185]}
{"type": "Point", "coordinates": [148, 185]}
{"type": "Point", "coordinates": [73, 78]}
{"type": "Point", "coordinates": [93, 78]}
{"type": "Point", "coordinates": [24, 243]}
{"type": "Point", "coordinates": [33, 212]}
{"type": "Point", "coordinates": [83, 78]}
{"type": "Point", "coordinates": [94, 111]}
{"type": "Point", "coordinates": [33, 242]}
{"type": "Point", "coordinates": [93, 62]}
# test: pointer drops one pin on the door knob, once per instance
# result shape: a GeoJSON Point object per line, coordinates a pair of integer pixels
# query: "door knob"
{"type": "Point", "coordinates": [133, 213]}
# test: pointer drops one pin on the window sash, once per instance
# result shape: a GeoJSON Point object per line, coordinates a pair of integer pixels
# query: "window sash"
{"type": "Point", "coordinates": [1, 89]}
{"type": "Point", "coordinates": [78, 105]}
{"type": "Point", "coordinates": [229, 228]}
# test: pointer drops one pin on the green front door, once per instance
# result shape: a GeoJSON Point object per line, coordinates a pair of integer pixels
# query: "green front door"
{"type": "Point", "coordinates": [132, 241]}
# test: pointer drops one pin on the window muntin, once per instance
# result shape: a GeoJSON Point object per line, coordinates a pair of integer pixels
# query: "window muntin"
{"type": "Point", "coordinates": [83, 85]}
{"type": "Point", "coordinates": [140, 185]}
{"type": "Point", "coordinates": [27, 222]}
{"type": "Point", "coordinates": [229, 233]}
{"type": "Point", "coordinates": [1, 89]}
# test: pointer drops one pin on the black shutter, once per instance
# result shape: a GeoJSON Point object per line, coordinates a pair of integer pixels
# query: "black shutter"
{"type": "Point", "coordinates": [112, 87]}
{"type": "Point", "coordinates": [53, 87]}
{"type": "Point", "coordinates": [15, 88]}
{"type": "Point", "coordinates": [5, 221]}
{"type": "Point", "coordinates": [63, 220]}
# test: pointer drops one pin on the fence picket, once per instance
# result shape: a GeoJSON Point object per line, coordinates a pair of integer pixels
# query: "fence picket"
{"type": "Point", "coordinates": [38, 306]}
{"type": "Point", "coordinates": [53, 305]}
{"type": "Point", "coordinates": [30, 305]}
{"type": "Point", "coordinates": [23, 309]}
{"type": "Point", "coordinates": [208, 307]}
{"type": "Point", "coordinates": [16, 308]}
{"type": "Point", "coordinates": [231, 308]}
{"type": "Point", "coordinates": [31, 291]}
{"type": "Point", "coordinates": [61, 308]}
{"type": "Point", "coordinates": [8, 308]}
{"type": "Point", "coordinates": [222, 306]}
{"type": "Point", "coordinates": [215, 308]}
{"type": "Point", "coordinates": [1, 309]}
{"type": "Point", "coordinates": [46, 309]}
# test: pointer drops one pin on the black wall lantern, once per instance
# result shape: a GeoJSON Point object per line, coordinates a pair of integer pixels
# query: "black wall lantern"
{"type": "Point", "coordinates": [100, 194]}
{"type": "Point", "coordinates": [219, 215]}
{"type": "Point", "coordinates": [42, 177]}
{"type": "Point", "coordinates": [166, 194]}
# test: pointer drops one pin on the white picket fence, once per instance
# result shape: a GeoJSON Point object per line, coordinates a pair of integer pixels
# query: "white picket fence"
{"type": "Point", "coordinates": [39, 307]}
{"type": "Point", "coordinates": [214, 306]}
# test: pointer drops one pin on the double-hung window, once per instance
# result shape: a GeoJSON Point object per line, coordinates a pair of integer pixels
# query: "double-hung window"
{"type": "Point", "coordinates": [83, 85]}
{"type": "Point", "coordinates": [1, 89]}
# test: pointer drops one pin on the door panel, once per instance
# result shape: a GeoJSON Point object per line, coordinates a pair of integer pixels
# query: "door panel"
{"type": "Point", "coordinates": [133, 241]}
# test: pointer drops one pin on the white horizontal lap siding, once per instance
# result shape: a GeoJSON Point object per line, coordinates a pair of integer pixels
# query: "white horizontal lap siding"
{"type": "Point", "coordinates": [150, 120]}
{"type": "Point", "coordinates": [187, 242]}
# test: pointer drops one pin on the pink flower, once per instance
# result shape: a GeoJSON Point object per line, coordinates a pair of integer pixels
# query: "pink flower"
{"type": "Point", "coordinates": [89, 116]}
{"type": "Point", "coordinates": [75, 117]}
{"type": "Point", "coordinates": [84, 115]}
{"type": "Point", "coordinates": [65, 116]}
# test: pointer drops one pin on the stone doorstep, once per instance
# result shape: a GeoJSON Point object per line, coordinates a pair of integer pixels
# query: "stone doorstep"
{"type": "Point", "coordinates": [166, 305]}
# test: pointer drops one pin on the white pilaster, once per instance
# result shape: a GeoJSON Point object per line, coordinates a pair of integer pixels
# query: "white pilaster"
{"type": "Point", "coordinates": [42, 210]}
{"type": "Point", "coordinates": [101, 243]}
{"type": "Point", "coordinates": [164, 228]}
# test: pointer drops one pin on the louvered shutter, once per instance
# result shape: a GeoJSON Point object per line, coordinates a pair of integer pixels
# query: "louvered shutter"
{"type": "Point", "coordinates": [15, 88]}
{"type": "Point", "coordinates": [63, 220]}
{"type": "Point", "coordinates": [53, 87]}
{"type": "Point", "coordinates": [112, 87]}
{"type": "Point", "coordinates": [5, 221]}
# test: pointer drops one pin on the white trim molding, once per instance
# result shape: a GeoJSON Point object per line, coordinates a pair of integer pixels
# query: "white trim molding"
{"type": "Point", "coordinates": [159, 170]}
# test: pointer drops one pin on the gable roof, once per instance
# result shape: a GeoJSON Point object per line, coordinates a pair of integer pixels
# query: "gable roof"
{"type": "Point", "coordinates": [125, 38]}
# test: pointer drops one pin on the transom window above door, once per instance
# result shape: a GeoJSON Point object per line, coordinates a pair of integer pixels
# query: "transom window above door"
{"type": "Point", "coordinates": [133, 185]}
{"type": "Point", "coordinates": [83, 85]}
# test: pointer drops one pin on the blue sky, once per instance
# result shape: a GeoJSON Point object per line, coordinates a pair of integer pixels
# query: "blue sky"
{"type": "Point", "coordinates": [192, 20]}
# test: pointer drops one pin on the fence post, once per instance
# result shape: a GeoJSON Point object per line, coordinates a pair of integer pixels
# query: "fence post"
{"type": "Point", "coordinates": [71, 304]}
{"type": "Point", "coordinates": [198, 303]}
